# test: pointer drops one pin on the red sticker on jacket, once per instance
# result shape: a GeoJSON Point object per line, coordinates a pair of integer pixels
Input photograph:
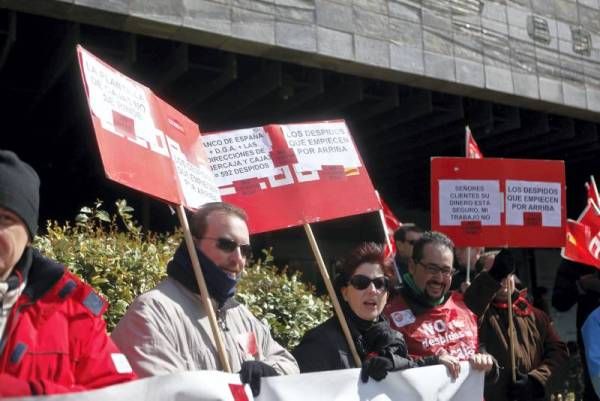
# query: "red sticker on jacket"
{"type": "Point", "coordinates": [248, 343]}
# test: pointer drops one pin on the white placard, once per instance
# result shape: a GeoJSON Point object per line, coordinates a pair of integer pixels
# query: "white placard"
{"type": "Point", "coordinates": [430, 383]}
{"type": "Point", "coordinates": [470, 200]}
{"type": "Point", "coordinates": [240, 154]}
{"type": "Point", "coordinates": [196, 180]}
{"type": "Point", "coordinates": [111, 92]}
{"type": "Point", "coordinates": [321, 144]}
{"type": "Point", "coordinates": [533, 196]}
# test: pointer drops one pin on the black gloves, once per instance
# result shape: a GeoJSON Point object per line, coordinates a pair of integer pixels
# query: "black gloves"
{"type": "Point", "coordinates": [525, 389]}
{"type": "Point", "coordinates": [376, 367]}
{"type": "Point", "coordinates": [382, 339]}
{"type": "Point", "coordinates": [251, 373]}
{"type": "Point", "coordinates": [504, 264]}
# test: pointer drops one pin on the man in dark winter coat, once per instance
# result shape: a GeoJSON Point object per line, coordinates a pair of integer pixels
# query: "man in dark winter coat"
{"type": "Point", "coordinates": [52, 336]}
{"type": "Point", "coordinates": [539, 352]}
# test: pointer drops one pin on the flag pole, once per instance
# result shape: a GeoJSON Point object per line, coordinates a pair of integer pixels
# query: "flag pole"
{"type": "Point", "coordinates": [386, 234]}
{"type": "Point", "coordinates": [334, 299]}
{"type": "Point", "coordinates": [468, 280]}
{"type": "Point", "coordinates": [189, 242]}
{"type": "Point", "coordinates": [467, 131]}
{"type": "Point", "coordinates": [511, 327]}
{"type": "Point", "coordinates": [389, 243]}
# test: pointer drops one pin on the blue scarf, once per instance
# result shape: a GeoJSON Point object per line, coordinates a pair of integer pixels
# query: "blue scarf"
{"type": "Point", "coordinates": [221, 287]}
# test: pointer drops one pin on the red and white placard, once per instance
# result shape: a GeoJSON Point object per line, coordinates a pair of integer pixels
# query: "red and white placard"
{"type": "Point", "coordinates": [289, 175]}
{"type": "Point", "coordinates": [145, 143]}
{"type": "Point", "coordinates": [499, 202]}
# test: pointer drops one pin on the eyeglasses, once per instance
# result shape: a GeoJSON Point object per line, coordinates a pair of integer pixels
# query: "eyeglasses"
{"type": "Point", "coordinates": [361, 282]}
{"type": "Point", "coordinates": [435, 269]}
{"type": "Point", "coordinates": [228, 245]}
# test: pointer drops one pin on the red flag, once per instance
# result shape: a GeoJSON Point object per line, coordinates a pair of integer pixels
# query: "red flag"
{"type": "Point", "coordinates": [592, 192]}
{"type": "Point", "coordinates": [390, 225]}
{"type": "Point", "coordinates": [583, 238]}
{"type": "Point", "coordinates": [471, 149]}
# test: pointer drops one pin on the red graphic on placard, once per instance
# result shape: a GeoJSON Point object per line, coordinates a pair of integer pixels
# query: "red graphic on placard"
{"type": "Point", "coordinates": [532, 218]}
{"type": "Point", "coordinates": [247, 187]}
{"type": "Point", "coordinates": [532, 230]}
{"type": "Point", "coordinates": [333, 173]}
{"type": "Point", "coordinates": [471, 227]}
{"type": "Point", "coordinates": [124, 124]}
{"type": "Point", "coordinates": [281, 154]}
{"type": "Point", "coordinates": [238, 392]}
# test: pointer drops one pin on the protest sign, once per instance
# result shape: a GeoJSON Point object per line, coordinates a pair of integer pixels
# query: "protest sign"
{"type": "Point", "coordinates": [430, 383]}
{"type": "Point", "coordinates": [290, 175]}
{"type": "Point", "coordinates": [145, 143]}
{"type": "Point", "coordinates": [148, 145]}
{"type": "Point", "coordinates": [499, 202]}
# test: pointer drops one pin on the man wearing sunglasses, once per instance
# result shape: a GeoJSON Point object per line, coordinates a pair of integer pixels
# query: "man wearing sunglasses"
{"type": "Point", "coordinates": [167, 330]}
{"type": "Point", "coordinates": [435, 320]}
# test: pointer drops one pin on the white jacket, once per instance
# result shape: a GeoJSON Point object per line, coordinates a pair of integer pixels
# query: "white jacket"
{"type": "Point", "coordinates": [167, 330]}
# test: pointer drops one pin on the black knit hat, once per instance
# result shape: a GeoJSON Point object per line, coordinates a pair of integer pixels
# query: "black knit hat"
{"type": "Point", "coordinates": [20, 189]}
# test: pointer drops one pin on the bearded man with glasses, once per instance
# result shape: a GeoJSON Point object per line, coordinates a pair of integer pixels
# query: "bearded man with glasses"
{"type": "Point", "coordinates": [166, 329]}
{"type": "Point", "coordinates": [435, 320]}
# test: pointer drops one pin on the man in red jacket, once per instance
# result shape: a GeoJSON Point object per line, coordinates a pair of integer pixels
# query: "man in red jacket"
{"type": "Point", "coordinates": [435, 320]}
{"type": "Point", "coordinates": [52, 336]}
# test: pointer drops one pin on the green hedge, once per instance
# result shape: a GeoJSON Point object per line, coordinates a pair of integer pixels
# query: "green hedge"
{"type": "Point", "coordinates": [113, 254]}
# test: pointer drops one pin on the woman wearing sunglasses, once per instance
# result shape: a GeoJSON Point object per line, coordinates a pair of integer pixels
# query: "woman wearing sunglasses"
{"type": "Point", "coordinates": [362, 287]}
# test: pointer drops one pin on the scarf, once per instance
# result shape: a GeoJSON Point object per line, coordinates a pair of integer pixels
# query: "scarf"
{"type": "Point", "coordinates": [521, 305]}
{"type": "Point", "coordinates": [220, 286]}
{"type": "Point", "coordinates": [418, 294]}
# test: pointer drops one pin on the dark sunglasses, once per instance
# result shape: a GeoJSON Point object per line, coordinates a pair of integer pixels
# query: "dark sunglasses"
{"type": "Point", "coordinates": [360, 282]}
{"type": "Point", "coordinates": [228, 245]}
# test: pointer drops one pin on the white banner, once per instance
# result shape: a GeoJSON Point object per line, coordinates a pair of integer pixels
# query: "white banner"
{"type": "Point", "coordinates": [430, 383]}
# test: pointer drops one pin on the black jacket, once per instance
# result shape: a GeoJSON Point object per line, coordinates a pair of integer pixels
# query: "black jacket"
{"type": "Point", "coordinates": [325, 348]}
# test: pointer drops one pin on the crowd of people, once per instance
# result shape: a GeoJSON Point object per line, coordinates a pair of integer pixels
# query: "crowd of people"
{"type": "Point", "coordinates": [416, 310]}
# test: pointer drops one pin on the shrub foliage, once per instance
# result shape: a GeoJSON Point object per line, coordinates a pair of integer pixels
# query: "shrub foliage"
{"type": "Point", "coordinates": [120, 260]}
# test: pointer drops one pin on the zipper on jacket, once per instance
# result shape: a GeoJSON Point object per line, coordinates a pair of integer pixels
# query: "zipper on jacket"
{"type": "Point", "coordinates": [221, 319]}
{"type": "Point", "coordinates": [11, 325]}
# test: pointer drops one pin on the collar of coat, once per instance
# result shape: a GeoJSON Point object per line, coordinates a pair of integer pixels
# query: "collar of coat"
{"type": "Point", "coordinates": [521, 305]}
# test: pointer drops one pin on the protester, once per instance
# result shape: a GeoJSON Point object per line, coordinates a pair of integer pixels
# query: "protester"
{"type": "Point", "coordinates": [434, 319]}
{"type": "Point", "coordinates": [405, 237]}
{"type": "Point", "coordinates": [459, 279]}
{"type": "Point", "coordinates": [578, 284]}
{"type": "Point", "coordinates": [167, 329]}
{"type": "Point", "coordinates": [539, 352]}
{"type": "Point", "coordinates": [590, 332]}
{"type": "Point", "coordinates": [52, 336]}
{"type": "Point", "coordinates": [485, 261]}
{"type": "Point", "coordinates": [362, 288]}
